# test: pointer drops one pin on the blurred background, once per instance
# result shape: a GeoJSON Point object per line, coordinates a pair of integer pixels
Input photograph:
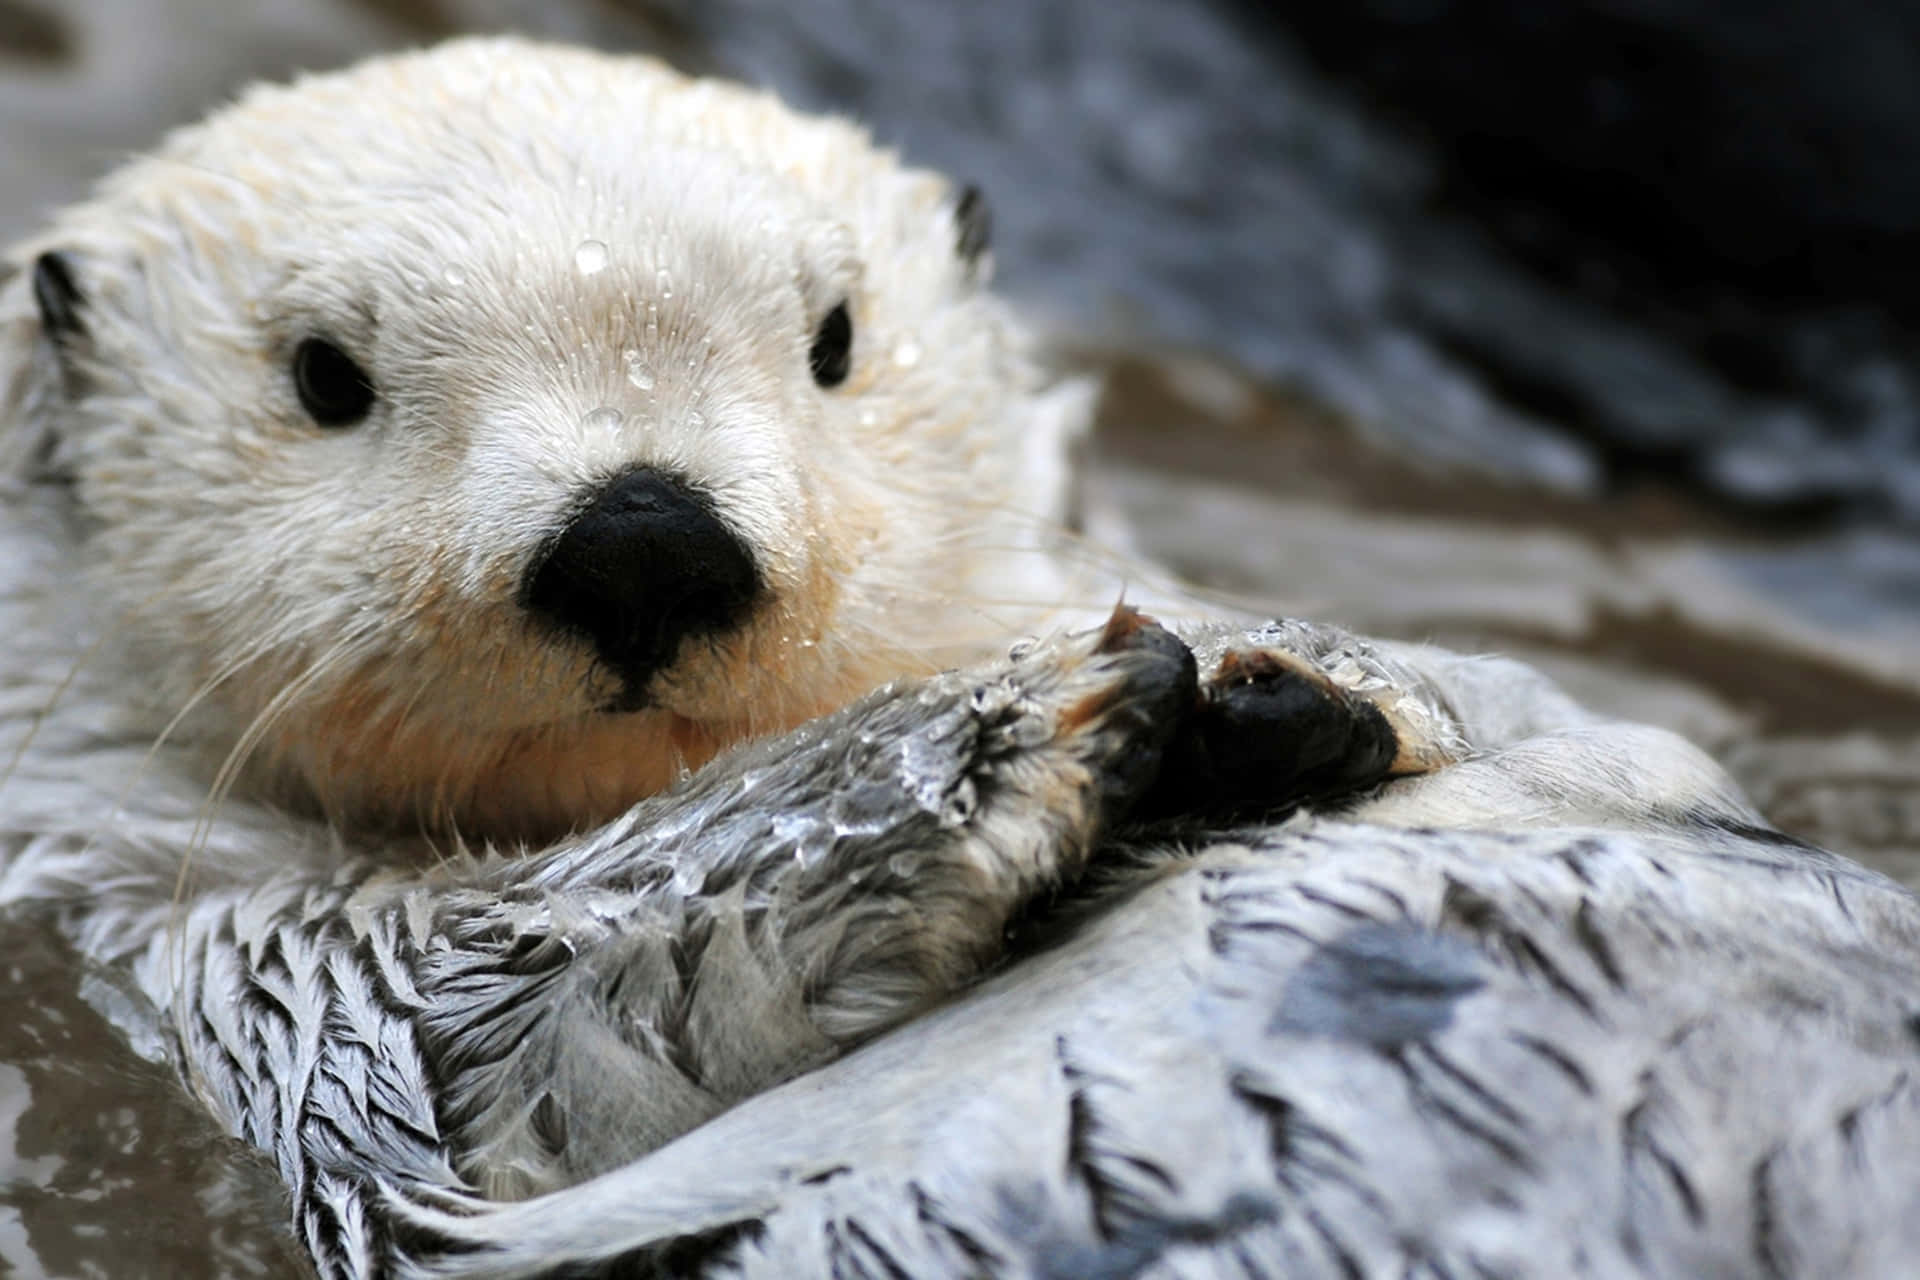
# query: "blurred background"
{"type": "Point", "coordinates": [1575, 329]}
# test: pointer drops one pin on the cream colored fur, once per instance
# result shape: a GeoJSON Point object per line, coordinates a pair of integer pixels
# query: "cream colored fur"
{"type": "Point", "coordinates": [554, 265]}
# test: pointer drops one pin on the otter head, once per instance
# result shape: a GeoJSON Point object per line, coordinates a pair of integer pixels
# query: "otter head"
{"type": "Point", "coordinates": [479, 437]}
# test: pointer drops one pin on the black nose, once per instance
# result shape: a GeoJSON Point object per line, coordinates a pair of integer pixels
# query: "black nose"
{"type": "Point", "coordinates": [647, 565]}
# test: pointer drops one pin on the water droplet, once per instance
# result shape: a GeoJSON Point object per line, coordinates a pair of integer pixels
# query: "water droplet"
{"type": "Point", "coordinates": [906, 353]}
{"type": "Point", "coordinates": [454, 276]}
{"type": "Point", "coordinates": [689, 879]}
{"type": "Point", "coordinates": [605, 418]}
{"type": "Point", "coordinates": [637, 372]}
{"type": "Point", "coordinates": [812, 840]}
{"type": "Point", "coordinates": [869, 418]}
{"type": "Point", "coordinates": [590, 258]}
{"type": "Point", "coordinates": [663, 283]}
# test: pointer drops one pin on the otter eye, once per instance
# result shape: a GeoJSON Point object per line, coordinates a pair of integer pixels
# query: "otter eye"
{"type": "Point", "coordinates": [832, 350]}
{"type": "Point", "coordinates": [333, 389]}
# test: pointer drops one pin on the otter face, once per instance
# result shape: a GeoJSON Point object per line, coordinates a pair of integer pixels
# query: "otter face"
{"type": "Point", "coordinates": [482, 436]}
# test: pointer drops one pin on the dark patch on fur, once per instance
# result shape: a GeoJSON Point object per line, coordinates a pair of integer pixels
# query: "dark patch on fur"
{"type": "Point", "coordinates": [1337, 905]}
{"type": "Point", "coordinates": [1467, 908]}
{"type": "Point", "coordinates": [1593, 940]}
{"type": "Point", "coordinates": [396, 1236]}
{"type": "Point", "coordinates": [1129, 1252]}
{"type": "Point", "coordinates": [1556, 1058]}
{"type": "Point", "coordinates": [1343, 1256]}
{"type": "Point", "coordinates": [1426, 1099]}
{"type": "Point", "coordinates": [1305, 1154]}
{"type": "Point", "coordinates": [1574, 859]}
{"type": "Point", "coordinates": [1487, 1097]}
{"type": "Point", "coordinates": [683, 1256]}
{"type": "Point", "coordinates": [1636, 1136]}
{"type": "Point", "coordinates": [1754, 833]}
{"type": "Point", "coordinates": [1382, 985]}
{"type": "Point", "coordinates": [825, 1176]}
{"type": "Point", "coordinates": [864, 1250]}
{"type": "Point", "coordinates": [1769, 1250]}
{"type": "Point", "coordinates": [1392, 895]}
{"type": "Point", "coordinates": [1099, 1166]}
{"type": "Point", "coordinates": [1080, 1161]}
{"type": "Point", "coordinates": [933, 1217]}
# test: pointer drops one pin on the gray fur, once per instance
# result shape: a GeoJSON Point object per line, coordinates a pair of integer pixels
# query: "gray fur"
{"type": "Point", "coordinates": [1328, 1047]}
{"type": "Point", "coordinates": [1688, 1056]}
{"type": "Point", "coordinates": [509, 1026]}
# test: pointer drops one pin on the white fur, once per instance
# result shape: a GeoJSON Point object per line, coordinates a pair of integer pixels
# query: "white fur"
{"type": "Point", "coordinates": [437, 217]}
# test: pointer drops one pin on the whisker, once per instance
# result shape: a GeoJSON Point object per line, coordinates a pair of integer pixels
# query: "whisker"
{"type": "Point", "coordinates": [232, 668]}
{"type": "Point", "coordinates": [41, 716]}
{"type": "Point", "coordinates": [66, 683]}
{"type": "Point", "coordinates": [263, 723]}
{"type": "Point", "coordinates": [236, 759]}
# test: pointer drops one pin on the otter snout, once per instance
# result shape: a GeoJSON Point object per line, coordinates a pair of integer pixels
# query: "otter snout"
{"type": "Point", "coordinates": [645, 566]}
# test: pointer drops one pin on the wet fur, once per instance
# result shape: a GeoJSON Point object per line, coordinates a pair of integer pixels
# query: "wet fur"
{"type": "Point", "coordinates": [412, 917]}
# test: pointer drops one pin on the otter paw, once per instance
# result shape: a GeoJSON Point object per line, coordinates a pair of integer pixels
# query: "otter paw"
{"type": "Point", "coordinates": [1270, 731]}
{"type": "Point", "coordinates": [1075, 733]}
{"type": "Point", "coordinates": [961, 801]}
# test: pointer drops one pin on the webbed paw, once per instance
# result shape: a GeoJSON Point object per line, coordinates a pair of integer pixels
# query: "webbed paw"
{"type": "Point", "coordinates": [1273, 730]}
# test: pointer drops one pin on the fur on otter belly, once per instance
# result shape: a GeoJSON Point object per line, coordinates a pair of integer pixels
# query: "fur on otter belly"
{"type": "Point", "coordinates": [415, 479]}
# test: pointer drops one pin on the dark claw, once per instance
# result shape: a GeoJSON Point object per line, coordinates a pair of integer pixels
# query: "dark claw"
{"type": "Point", "coordinates": [1156, 710]}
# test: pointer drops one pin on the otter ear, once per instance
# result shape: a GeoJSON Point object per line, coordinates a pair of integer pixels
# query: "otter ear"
{"type": "Point", "coordinates": [58, 299]}
{"type": "Point", "coordinates": [42, 324]}
{"type": "Point", "coordinates": [972, 225]}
